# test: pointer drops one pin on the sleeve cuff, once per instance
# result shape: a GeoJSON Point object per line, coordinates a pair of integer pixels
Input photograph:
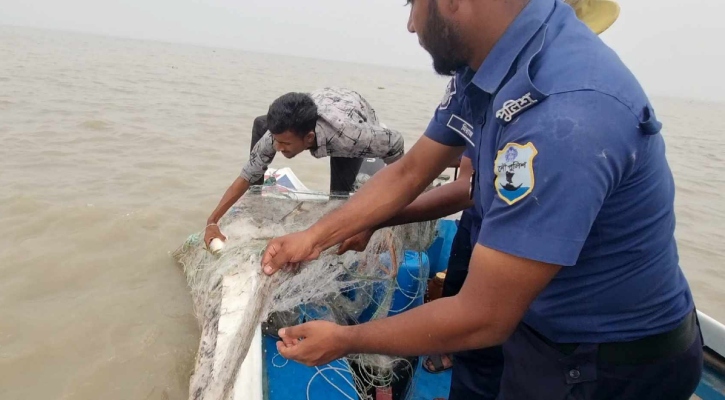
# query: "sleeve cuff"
{"type": "Point", "coordinates": [251, 176]}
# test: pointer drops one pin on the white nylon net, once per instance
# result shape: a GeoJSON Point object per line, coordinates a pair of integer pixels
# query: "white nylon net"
{"type": "Point", "coordinates": [333, 288]}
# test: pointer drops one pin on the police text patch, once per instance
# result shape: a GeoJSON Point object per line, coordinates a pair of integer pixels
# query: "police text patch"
{"type": "Point", "coordinates": [514, 169]}
{"type": "Point", "coordinates": [462, 127]}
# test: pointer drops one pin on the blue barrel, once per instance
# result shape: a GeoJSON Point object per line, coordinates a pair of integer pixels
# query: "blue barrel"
{"type": "Point", "coordinates": [440, 251]}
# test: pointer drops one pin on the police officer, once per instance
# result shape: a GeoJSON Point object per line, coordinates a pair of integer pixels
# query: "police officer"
{"type": "Point", "coordinates": [329, 122]}
{"type": "Point", "coordinates": [476, 373]}
{"type": "Point", "coordinates": [575, 269]}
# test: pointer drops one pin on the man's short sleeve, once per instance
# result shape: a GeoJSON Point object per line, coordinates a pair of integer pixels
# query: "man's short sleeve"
{"type": "Point", "coordinates": [554, 168]}
{"type": "Point", "coordinates": [260, 157]}
{"type": "Point", "coordinates": [451, 105]}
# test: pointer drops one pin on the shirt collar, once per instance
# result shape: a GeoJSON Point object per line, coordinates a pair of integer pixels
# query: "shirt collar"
{"type": "Point", "coordinates": [498, 62]}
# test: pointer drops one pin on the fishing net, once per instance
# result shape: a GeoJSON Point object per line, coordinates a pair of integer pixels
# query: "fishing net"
{"type": "Point", "coordinates": [344, 289]}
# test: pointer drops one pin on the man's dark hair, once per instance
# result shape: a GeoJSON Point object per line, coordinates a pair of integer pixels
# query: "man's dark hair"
{"type": "Point", "coordinates": [296, 112]}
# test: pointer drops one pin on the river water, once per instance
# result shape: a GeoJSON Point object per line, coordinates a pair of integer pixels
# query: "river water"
{"type": "Point", "coordinates": [114, 151]}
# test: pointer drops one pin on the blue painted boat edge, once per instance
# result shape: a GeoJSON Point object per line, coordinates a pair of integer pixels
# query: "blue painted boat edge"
{"type": "Point", "coordinates": [427, 386]}
{"type": "Point", "coordinates": [712, 385]}
{"type": "Point", "coordinates": [289, 380]}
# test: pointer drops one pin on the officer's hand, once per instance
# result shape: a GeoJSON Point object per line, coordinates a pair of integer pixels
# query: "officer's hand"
{"type": "Point", "coordinates": [313, 343]}
{"type": "Point", "coordinates": [211, 232]}
{"type": "Point", "coordinates": [356, 243]}
{"type": "Point", "coordinates": [289, 251]}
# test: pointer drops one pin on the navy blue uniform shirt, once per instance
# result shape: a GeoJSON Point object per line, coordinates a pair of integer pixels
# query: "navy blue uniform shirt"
{"type": "Point", "coordinates": [571, 170]}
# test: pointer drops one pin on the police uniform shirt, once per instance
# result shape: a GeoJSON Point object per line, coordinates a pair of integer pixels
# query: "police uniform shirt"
{"type": "Point", "coordinates": [347, 127]}
{"type": "Point", "coordinates": [446, 122]}
{"type": "Point", "coordinates": [571, 170]}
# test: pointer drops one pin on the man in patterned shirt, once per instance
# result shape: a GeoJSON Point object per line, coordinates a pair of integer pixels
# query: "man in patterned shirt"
{"type": "Point", "coordinates": [333, 122]}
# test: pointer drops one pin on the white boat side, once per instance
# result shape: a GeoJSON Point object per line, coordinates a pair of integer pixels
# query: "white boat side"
{"type": "Point", "coordinates": [236, 293]}
{"type": "Point", "coordinates": [713, 333]}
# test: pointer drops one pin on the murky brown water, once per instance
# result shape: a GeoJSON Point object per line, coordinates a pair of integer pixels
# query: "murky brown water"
{"type": "Point", "coordinates": [113, 151]}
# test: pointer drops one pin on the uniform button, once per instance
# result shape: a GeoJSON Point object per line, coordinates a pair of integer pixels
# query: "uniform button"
{"type": "Point", "coordinates": [479, 121]}
{"type": "Point", "coordinates": [574, 374]}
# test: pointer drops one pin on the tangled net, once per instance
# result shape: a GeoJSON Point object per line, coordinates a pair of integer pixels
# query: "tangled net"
{"type": "Point", "coordinates": [335, 288]}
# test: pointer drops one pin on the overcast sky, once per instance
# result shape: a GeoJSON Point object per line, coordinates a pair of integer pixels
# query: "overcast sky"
{"type": "Point", "coordinates": [675, 47]}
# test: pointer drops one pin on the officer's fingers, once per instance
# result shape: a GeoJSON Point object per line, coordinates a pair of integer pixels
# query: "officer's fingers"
{"type": "Point", "coordinates": [313, 254]}
{"type": "Point", "coordinates": [280, 260]}
{"type": "Point", "coordinates": [272, 251]}
{"type": "Point", "coordinates": [283, 349]}
{"type": "Point", "coordinates": [288, 340]}
{"type": "Point", "coordinates": [344, 247]}
{"type": "Point", "coordinates": [360, 245]}
{"type": "Point", "coordinates": [288, 352]}
{"type": "Point", "coordinates": [293, 332]}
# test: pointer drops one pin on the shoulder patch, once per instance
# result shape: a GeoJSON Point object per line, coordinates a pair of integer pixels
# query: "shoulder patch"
{"type": "Point", "coordinates": [514, 169]}
{"type": "Point", "coordinates": [450, 91]}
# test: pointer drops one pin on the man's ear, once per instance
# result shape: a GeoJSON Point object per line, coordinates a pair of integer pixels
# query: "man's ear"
{"type": "Point", "coordinates": [310, 138]}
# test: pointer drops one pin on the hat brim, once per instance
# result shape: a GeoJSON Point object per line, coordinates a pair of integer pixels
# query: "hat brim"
{"type": "Point", "coordinates": [599, 15]}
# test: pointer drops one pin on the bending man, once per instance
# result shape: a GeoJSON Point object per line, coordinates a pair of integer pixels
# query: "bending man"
{"type": "Point", "coordinates": [333, 122]}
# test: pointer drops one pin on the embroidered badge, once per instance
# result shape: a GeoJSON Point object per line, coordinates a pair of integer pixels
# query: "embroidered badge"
{"type": "Point", "coordinates": [514, 169]}
{"type": "Point", "coordinates": [450, 91]}
{"type": "Point", "coordinates": [512, 107]}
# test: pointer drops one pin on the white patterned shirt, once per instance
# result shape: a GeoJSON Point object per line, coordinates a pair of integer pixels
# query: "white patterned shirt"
{"type": "Point", "coordinates": [347, 127]}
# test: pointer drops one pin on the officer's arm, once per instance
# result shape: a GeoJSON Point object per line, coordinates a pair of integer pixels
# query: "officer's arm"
{"type": "Point", "coordinates": [496, 294]}
{"type": "Point", "coordinates": [386, 193]}
{"type": "Point", "coordinates": [567, 170]}
{"type": "Point", "coordinates": [569, 152]}
{"type": "Point", "coordinates": [439, 202]}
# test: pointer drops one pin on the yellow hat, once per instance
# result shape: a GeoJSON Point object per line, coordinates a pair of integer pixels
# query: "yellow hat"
{"type": "Point", "coordinates": [599, 15]}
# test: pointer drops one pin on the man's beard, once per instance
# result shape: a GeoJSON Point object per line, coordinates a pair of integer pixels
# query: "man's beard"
{"type": "Point", "coordinates": [443, 42]}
